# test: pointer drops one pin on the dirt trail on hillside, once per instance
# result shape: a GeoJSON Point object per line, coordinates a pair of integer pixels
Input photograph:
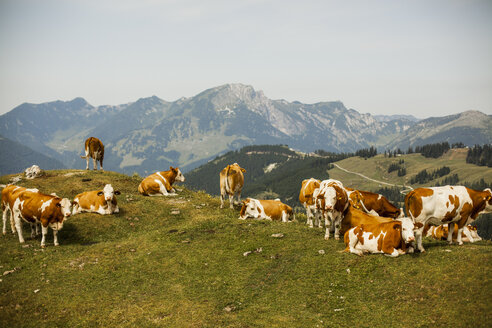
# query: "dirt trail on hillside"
{"type": "Point", "coordinates": [404, 191]}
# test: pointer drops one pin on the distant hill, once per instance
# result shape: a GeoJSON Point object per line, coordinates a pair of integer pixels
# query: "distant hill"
{"type": "Point", "coordinates": [15, 158]}
{"type": "Point", "coordinates": [151, 134]}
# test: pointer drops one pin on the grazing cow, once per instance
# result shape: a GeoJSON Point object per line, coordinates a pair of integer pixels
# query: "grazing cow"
{"type": "Point", "coordinates": [372, 203]}
{"type": "Point", "coordinates": [35, 207]}
{"type": "Point", "coordinates": [389, 238]}
{"type": "Point", "coordinates": [440, 232]}
{"type": "Point", "coordinates": [231, 183]}
{"type": "Point", "coordinates": [265, 209]}
{"type": "Point", "coordinates": [161, 183]}
{"type": "Point", "coordinates": [448, 204]}
{"type": "Point", "coordinates": [94, 149]}
{"type": "Point", "coordinates": [97, 201]}
{"type": "Point", "coordinates": [9, 195]}
{"type": "Point", "coordinates": [307, 200]}
{"type": "Point", "coordinates": [331, 201]}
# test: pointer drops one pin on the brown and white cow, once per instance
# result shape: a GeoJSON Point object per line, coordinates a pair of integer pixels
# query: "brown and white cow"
{"type": "Point", "coordinates": [94, 149]}
{"type": "Point", "coordinates": [231, 183]}
{"type": "Point", "coordinates": [161, 183]}
{"type": "Point", "coordinates": [389, 238]}
{"type": "Point", "coordinates": [9, 195]}
{"type": "Point", "coordinates": [35, 207]}
{"type": "Point", "coordinates": [372, 203]}
{"type": "Point", "coordinates": [448, 204]}
{"type": "Point", "coordinates": [354, 217]}
{"type": "Point", "coordinates": [265, 209]}
{"type": "Point", "coordinates": [440, 232]}
{"type": "Point", "coordinates": [331, 201]}
{"type": "Point", "coordinates": [97, 201]}
{"type": "Point", "coordinates": [306, 197]}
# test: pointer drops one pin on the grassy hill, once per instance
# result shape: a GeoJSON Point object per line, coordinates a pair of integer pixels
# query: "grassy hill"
{"type": "Point", "coordinates": [179, 262]}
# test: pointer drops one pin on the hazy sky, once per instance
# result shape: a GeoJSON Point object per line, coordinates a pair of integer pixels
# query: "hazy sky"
{"type": "Point", "coordinates": [426, 58]}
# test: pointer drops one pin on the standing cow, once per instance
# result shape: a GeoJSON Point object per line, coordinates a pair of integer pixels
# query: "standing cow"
{"type": "Point", "coordinates": [265, 209]}
{"type": "Point", "coordinates": [332, 201]}
{"type": "Point", "coordinates": [35, 207]}
{"type": "Point", "coordinates": [94, 149]}
{"type": "Point", "coordinates": [161, 183]}
{"type": "Point", "coordinates": [97, 201]}
{"type": "Point", "coordinates": [9, 195]}
{"type": "Point", "coordinates": [448, 204]}
{"type": "Point", "coordinates": [231, 183]}
{"type": "Point", "coordinates": [307, 199]}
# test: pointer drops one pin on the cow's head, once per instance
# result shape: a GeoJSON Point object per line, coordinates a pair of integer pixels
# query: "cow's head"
{"type": "Point", "coordinates": [249, 209]}
{"type": "Point", "coordinates": [65, 207]}
{"type": "Point", "coordinates": [408, 228]}
{"type": "Point", "coordinates": [237, 168]}
{"type": "Point", "coordinates": [335, 198]}
{"type": "Point", "coordinates": [179, 176]}
{"type": "Point", "coordinates": [108, 192]}
{"type": "Point", "coordinates": [488, 201]}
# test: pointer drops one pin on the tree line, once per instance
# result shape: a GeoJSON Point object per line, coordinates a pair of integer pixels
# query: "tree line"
{"type": "Point", "coordinates": [480, 155]}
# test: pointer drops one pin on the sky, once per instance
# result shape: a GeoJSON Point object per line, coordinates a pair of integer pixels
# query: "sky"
{"type": "Point", "coordinates": [416, 57]}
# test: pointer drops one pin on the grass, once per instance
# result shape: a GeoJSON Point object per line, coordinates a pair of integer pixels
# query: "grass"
{"type": "Point", "coordinates": [148, 267]}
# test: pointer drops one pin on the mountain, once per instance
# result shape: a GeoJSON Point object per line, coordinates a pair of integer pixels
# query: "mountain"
{"type": "Point", "coordinates": [470, 127]}
{"type": "Point", "coordinates": [387, 118]}
{"type": "Point", "coordinates": [16, 157]}
{"type": "Point", "coordinates": [151, 134]}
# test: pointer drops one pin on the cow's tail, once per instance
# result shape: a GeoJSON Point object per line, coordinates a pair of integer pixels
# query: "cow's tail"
{"type": "Point", "coordinates": [227, 186]}
{"type": "Point", "coordinates": [408, 200]}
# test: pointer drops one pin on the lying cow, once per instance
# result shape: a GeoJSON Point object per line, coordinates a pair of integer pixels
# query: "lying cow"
{"type": "Point", "coordinates": [231, 183]}
{"type": "Point", "coordinates": [9, 195]}
{"type": "Point", "coordinates": [97, 201]}
{"type": "Point", "coordinates": [388, 238]}
{"type": "Point", "coordinates": [161, 183]}
{"type": "Point", "coordinates": [448, 204]}
{"type": "Point", "coordinates": [372, 203]}
{"type": "Point", "coordinates": [307, 199]}
{"type": "Point", "coordinates": [332, 201]}
{"type": "Point", "coordinates": [94, 149]}
{"type": "Point", "coordinates": [354, 217]}
{"type": "Point", "coordinates": [440, 232]}
{"type": "Point", "coordinates": [35, 207]}
{"type": "Point", "coordinates": [265, 209]}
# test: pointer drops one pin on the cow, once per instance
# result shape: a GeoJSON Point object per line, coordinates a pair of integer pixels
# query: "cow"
{"type": "Point", "coordinates": [97, 201]}
{"type": "Point", "coordinates": [372, 203]}
{"type": "Point", "coordinates": [354, 217]}
{"type": "Point", "coordinates": [94, 149]}
{"type": "Point", "coordinates": [388, 238]}
{"type": "Point", "coordinates": [440, 232]}
{"type": "Point", "coordinates": [9, 195]}
{"type": "Point", "coordinates": [35, 207]}
{"type": "Point", "coordinates": [306, 197]}
{"type": "Point", "coordinates": [161, 183]}
{"type": "Point", "coordinates": [231, 183]}
{"type": "Point", "coordinates": [332, 201]}
{"type": "Point", "coordinates": [448, 204]}
{"type": "Point", "coordinates": [265, 209]}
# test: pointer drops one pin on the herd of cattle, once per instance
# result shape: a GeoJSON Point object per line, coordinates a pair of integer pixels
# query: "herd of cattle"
{"type": "Point", "coordinates": [368, 221]}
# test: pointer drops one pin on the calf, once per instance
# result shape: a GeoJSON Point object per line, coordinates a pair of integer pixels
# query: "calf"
{"type": "Point", "coordinates": [448, 204]}
{"type": "Point", "coordinates": [160, 183]}
{"type": "Point", "coordinates": [307, 199]}
{"type": "Point", "coordinates": [331, 201]}
{"type": "Point", "coordinates": [231, 183]}
{"type": "Point", "coordinates": [94, 149]}
{"type": "Point", "coordinates": [35, 207]}
{"type": "Point", "coordinates": [389, 238]}
{"type": "Point", "coordinates": [265, 209]}
{"type": "Point", "coordinates": [372, 203]}
{"type": "Point", "coordinates": [9, 195]}
{"type": "Point", "coordinates": [97, 201]}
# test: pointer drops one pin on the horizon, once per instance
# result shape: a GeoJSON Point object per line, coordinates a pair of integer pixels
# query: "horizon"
{"type": "Point", "coordinates": [382, 57]}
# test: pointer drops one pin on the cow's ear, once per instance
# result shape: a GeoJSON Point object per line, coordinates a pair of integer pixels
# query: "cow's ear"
{"type": "Point", "coordinates": [100, 193]}
{"type": "Point", "coordinates": [244, 171]}
{"type": "Point", "coordinates": [117, 192]}
{"type": "Point", "coordinates": [58, 205]}
{"type": "Point", "coordinates": [418, 225]}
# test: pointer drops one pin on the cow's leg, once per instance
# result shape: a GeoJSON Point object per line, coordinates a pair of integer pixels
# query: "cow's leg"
{"type": "Point", "coordinates": [162, 189]}
{"type": "Point", "coordinates": [231, 200]}
{"type": "Point", "coordinates": [327, 226]}
{"type": "Point", "coordinates": [450, 233]}
{"type": "Point", "coordinates": [353, 244]}
{"type": "Point", "coordinates": [468, 234]}
{"type": "Point", "coordinates": [101, 164]}
{"type": "Point", "coordinates": [318, 219]}
{"type": "Point", "coordinates": [459, 239]}
{"type": "Point", "coordinates": [222, 196]}
{"type": "Point", "coordinates": [4, 218]}
{"type": "Point", "coordinates": [418, 240]}
{"type": "Point", "coordinates": [285, 216]}
{"type": "Point", "coordinates": [391, 251]}
{"type": "Point", "coordinates": [239, 197]}
{"type": "Point", "coordinates": [309, 214]}
{"type": "Point", "coordinates": [55, 237]}
{"type": "Point", "coordinates": [18, 225]}
{"type": "Point", "coordinates": [12, 221]}
{"type": "Point", "coordinates": [94, 162]}
{"type": "Point", "coordinates": [33, 230]}
{"type": "Point", "coordinates": [337, 226]}
{"type": "Point", "coordinates": [44, 231]}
